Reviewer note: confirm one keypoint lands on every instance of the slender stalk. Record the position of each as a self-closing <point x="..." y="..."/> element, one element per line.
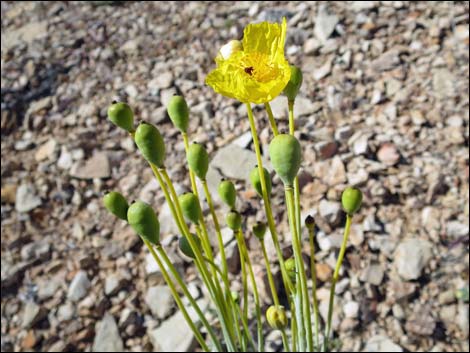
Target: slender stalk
<point x="314" y="282"/>
<point x="291" y="117"/>
<point x="244" y="282"/>
<point x="302" y="284"/>
<point x="285" y="341"/>
<point x="293" y="326"/>
<point x="191" y="173"/>
<point x="272" y="121"/>
<point x="188" y="295"/>
<point x="217" y="228"/>
<point x="177" y="298"/>
<point x="242" y="245"/>
<point x="270" y="275"/>
<point x="335" y="278"/>
<point x="267" y="204"/>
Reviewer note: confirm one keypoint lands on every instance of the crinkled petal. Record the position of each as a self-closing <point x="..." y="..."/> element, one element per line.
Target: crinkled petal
<point x="265" y="37"/>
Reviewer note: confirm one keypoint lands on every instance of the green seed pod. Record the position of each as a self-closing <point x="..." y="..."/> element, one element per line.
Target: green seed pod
<point x="116" y="204"/>
<point x="259" y="230"/>
<point x="150" y="143"/>
<point x="285" y="154"/>
<point x="190" y="206"/>
<point x="227" y="193"/>
<point x="235" y="296"/>
<point x="143" y="220"/>
<point x="291" y="268"/>
<point x="276" y="317"/>
<point x="185" y="247"/>
<point x="121" y="115"/>
<point x="310" y="222"/>
<point x="198" y="160"/>
<point x="234" y="220"/>
<point x="178" y="112"/>
<point x="256" y="181"/>
<point x="351" y="200"/>
<point x="295" y="81"/>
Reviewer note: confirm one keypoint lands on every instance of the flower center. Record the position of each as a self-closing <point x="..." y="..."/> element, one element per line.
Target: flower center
<point x="259" y="67"/>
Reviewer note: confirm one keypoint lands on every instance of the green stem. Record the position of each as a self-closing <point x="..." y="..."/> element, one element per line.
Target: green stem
<point x="217" y="228"/>
<point x="272" y="121"/>
<point x="186" y="292"/>
<point x="335" y="278"/>
<point x="270" y="275"/>
<point x="301" y="276"/>
<point x="177" y="298"/>
<point x="191" y="173"/>
<point x="314" y="282"/>
<point x="267" y="205"/>
<point x="285" y="341"/>
<point x="291" y="117"/>
<point x="242" y="245"/>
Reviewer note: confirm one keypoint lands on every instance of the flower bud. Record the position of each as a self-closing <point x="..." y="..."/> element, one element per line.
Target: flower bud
<point x="198" y="160"/>
<point x="227" y="193"/>
<point x="150" y="143"/>
<point x="121" y="115"/>
<point x="291" y="268"/>
<point x="259" y="230"/>
<point x="295" y="81"/>
<point x="190" y="206"/>
<point x="235" y="296"/>
<point x="256" y="181"/>
<point x="309" y="222"/>
<point x="351" y="200"/>
<point x="178" y="112"/>
<point x="285" y="154"/>
<point x="185" y="247"/>
<point x="116" y="204"/>
<point x="234" y="220"/>
<point x="143" y="220"/>
<point x="276" y="317"/>
<point x="228" y="49"/>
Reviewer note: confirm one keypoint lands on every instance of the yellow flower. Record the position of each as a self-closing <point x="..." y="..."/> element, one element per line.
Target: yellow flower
<point x="257" y="72"/>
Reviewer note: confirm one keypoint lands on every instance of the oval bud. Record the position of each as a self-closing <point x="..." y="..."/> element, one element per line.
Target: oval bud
<point x="259" y="230"/>
<point x="143" y="220"/>
<point x="178" y="112"/>
<point x="235" y="296"/>
<point x="198" y="160"/>
<point x="351" y="200"/>
<point x="190" y="206"/>
<point x="150" y="143"/>
<point x="285" y="154"/>
<point x="293" y="86"/>
<point x="234" y="220"/>
<point x="291" y="268"/>
<point x="256" y="181"/>
<point x="310" y="222"/>
<point x="121" y="115"/>
<point x="227" y="193"/>
<point x="185" y="247"/>
<point x="276" y="317"/>
<point x="116" y="204"/>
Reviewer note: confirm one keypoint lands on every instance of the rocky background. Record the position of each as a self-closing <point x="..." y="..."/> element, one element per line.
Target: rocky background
<point x="384" y="105"/>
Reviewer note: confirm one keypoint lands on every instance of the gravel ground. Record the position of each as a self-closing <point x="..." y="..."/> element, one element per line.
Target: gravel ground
<point x="384" y="106"/>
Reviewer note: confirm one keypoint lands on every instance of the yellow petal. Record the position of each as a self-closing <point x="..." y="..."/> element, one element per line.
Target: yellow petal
<point x="266" y="38"/>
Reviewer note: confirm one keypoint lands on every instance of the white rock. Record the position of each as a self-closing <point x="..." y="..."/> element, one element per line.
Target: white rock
<point x="381" y="343"/>
<point x="107" y="337"/>
<point x="411" y="256"/>
<point x="173" y="335"/>
<point x="330" y="211"/>
<point x="79" y="286"/>
<point x="26" y="198"/>
<point x="160" y="301"/>
<point x="325" y="24"/>
<point x="351" y="309"/>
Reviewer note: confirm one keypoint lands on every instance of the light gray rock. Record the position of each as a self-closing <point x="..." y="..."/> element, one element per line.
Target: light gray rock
<point x="325" y="24"/>
<point x="330" y="211"/>
<point x="107" y="337"/>
<point x="173" y="335"/>
<point x="113" y="284"/>
<point x="456" y="229"/>
<point x="48" y="287"/>
<point x="351" y="309"/>
<point x="234" y="162"/>
<point x="443" y="83"/>
<point x="411" y="256"/>
<point x="32" y="314"/>
<point x="26" y="198"/>
<point x="160" y="301"/>
<point x="95" y="167"/>
<point x="381" y="343"/>
<point x="65" y="312"/>
<point x="46" y="150"/>
<point x="79" y="286"/>
<point x="373" y="274"/>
